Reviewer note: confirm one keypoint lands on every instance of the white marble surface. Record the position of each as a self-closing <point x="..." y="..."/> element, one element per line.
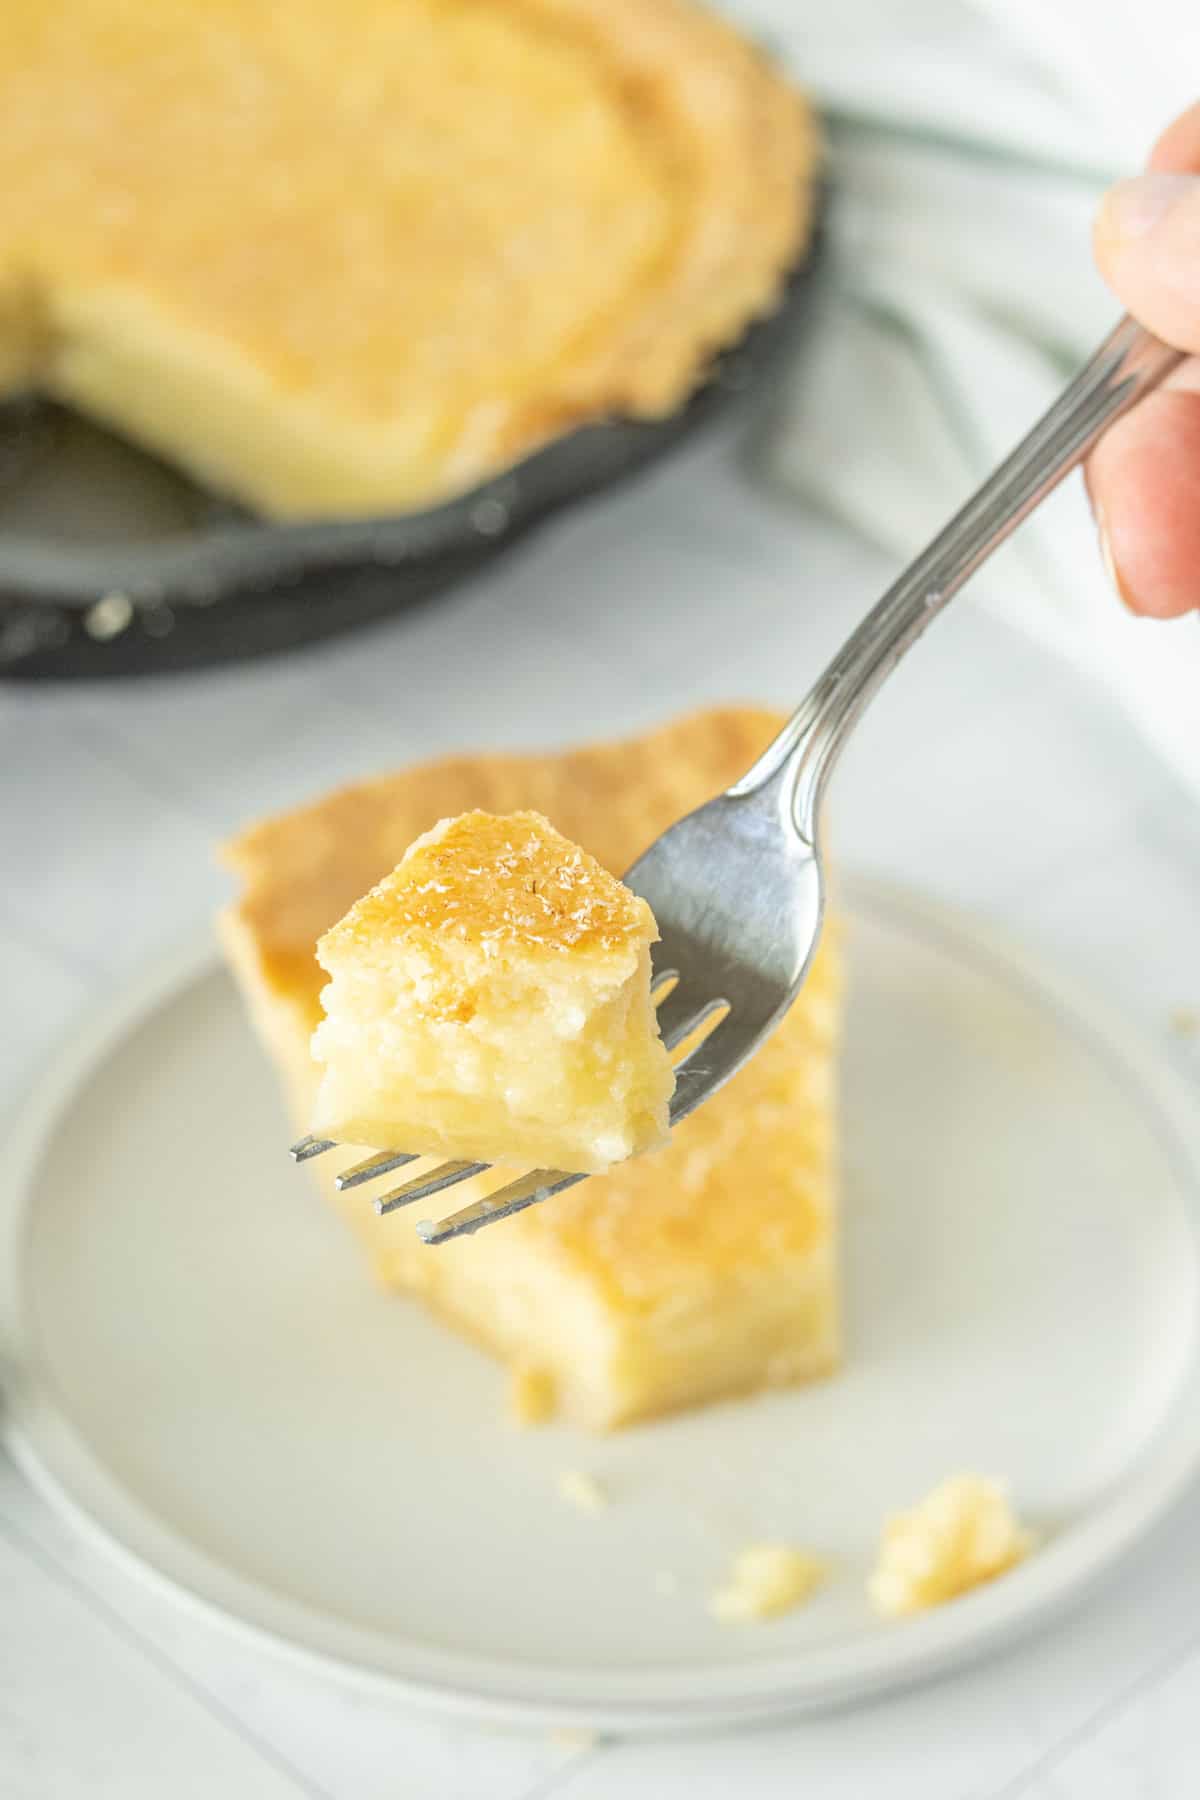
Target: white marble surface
<point x="687" y="587"/>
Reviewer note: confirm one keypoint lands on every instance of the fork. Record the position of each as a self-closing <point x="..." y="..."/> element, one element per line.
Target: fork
<point x="737" y="886"/>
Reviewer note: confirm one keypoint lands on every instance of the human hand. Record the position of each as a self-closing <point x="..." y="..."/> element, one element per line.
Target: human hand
<point x="1144" y="475"/>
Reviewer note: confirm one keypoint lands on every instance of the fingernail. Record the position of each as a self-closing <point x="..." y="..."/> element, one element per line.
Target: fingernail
<point x="1133" y="208"/>
<point x="1110" y="562"/>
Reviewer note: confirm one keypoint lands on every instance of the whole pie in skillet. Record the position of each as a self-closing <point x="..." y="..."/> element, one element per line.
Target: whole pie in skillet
<point x="352" y="256"/>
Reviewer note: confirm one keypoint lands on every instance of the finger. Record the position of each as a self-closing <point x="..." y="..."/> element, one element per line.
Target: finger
<point x="1144" y="479"/>
<point x="1177" y="151"/>
<point x="1147" y="241"/>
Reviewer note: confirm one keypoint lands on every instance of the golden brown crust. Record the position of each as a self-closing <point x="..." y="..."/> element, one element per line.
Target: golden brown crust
<point x="495" y="878"/>
<point x="302" y="870"/>
<point x="238" y="230"/>
<point x="742" y="148"/>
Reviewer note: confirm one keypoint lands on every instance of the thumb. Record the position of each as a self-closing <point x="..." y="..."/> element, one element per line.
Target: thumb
<point x="1147" y="242"/>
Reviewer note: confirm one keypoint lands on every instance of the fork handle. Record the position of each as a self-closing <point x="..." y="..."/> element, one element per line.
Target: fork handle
<point x="1128" y="364"/>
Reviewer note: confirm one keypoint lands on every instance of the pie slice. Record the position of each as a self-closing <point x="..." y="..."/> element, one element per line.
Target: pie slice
<point x="705" y="1268"/>
<point x="344" y="257"/>
<point x="490" y="1000"/>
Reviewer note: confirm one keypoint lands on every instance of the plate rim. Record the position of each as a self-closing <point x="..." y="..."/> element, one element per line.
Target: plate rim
<point x="60" y="1465"/>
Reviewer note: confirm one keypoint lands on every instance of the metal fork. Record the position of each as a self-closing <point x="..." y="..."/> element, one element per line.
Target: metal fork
<point x="737" y="886"/>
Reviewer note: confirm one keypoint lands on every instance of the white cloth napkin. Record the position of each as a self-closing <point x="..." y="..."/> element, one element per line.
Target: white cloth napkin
<point x="970" y="141"/>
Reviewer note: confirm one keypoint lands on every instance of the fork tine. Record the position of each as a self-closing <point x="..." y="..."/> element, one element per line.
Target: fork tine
<point x="660" y="980"/>
<point x="310" y="1146"/>
<point x="693" y="1082"/>
<point x="679" y="1016"/>
<point x="689" y="1089"/>
<point x="447" y="1174"/>
<point x="527" y="1191"/>
<point x="382" y="1163"/>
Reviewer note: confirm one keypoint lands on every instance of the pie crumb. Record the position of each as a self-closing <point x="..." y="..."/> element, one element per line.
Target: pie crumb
<point x="766" y="1580"/>
<point x="574" y="1737"/>
<point x="583" y="1490"/>
<point x="963" y="1533"/>
<point x="1185" y="1021"/>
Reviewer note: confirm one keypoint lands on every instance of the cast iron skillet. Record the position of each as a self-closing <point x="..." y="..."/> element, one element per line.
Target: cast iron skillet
<point x="113" y="564"/>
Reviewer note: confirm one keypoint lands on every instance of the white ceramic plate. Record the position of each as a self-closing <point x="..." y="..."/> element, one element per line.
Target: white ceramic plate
<point x="199" y="1366"/>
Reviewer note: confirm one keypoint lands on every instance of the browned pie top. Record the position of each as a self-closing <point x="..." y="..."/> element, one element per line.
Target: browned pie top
<point x="302" y="870"/>
<point x="507" y="879"/>
<point x="427" y="234"/>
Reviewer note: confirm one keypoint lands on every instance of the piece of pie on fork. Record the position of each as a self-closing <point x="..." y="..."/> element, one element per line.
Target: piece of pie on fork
<point x="489" y="1000"/>
<point x="699" y="1270"/>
